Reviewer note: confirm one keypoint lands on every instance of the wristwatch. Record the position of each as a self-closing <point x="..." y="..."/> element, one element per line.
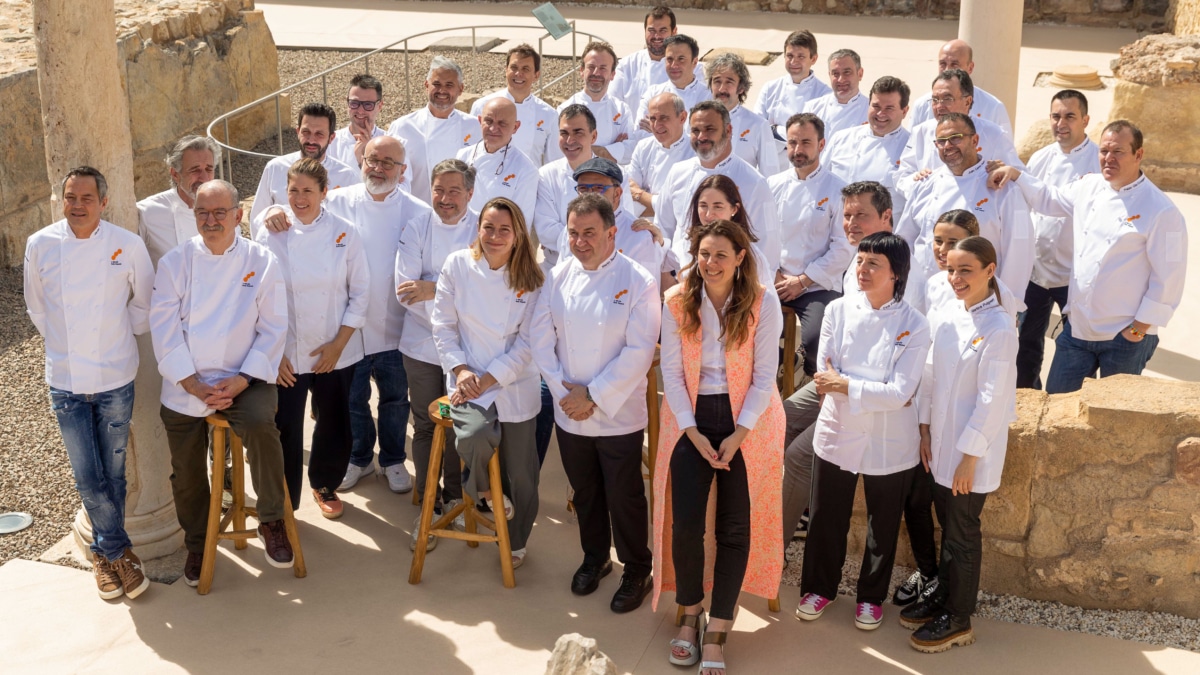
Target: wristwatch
<point x="250" y="381"/>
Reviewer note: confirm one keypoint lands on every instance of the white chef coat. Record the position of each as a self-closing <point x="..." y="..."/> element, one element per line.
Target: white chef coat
<point x="781" y="98"/>
<point x="556" y="189"/>
<point x="1003" y="218"/>
<point x="857" y="154"/>
<point x="480" y="322"/>
<point x="341" y="146"/>
<point x="810" y="216"/>
<point x="836" y="115"/>
<point x="691" y="94"/>
<point x="983" y="106"/>
<point x="272" y="187"/>
<point x="968" y="393"/>
<point x="713" y="378"/>
<point x="88" y="298"/>
<point x="214" y="316"/>
<point x="920" y="152"/>
<point x="328" y="285"/>
<point x="379" y="225"/>
<point x="504" y="173"/>
<point x="428" y="140"/>
<point x="872" y="430"/>
<point x="598" y="328"/>
<point x="1054" y="236"/>
<point x="1130" y="252"/>
<point x="613" y="118"/>
<point x="164" y="222"/>
<point x="754" y="142"/>
<point x="637" y="73"/>
<point x="637" y="246"/>
<point x="939" y="293"/>
<point x="652" y="161"/>
<point x="538" y="135"/>
<point x="425" y="243"/>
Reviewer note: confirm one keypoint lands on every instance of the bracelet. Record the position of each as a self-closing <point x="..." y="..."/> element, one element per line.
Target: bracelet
<point x="1135" y="332"/>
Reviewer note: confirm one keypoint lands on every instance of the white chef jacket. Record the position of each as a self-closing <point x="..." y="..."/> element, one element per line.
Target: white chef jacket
<point x="504" y="173"/>
<point x="272" y="187"/>
<point x="341" y="146"/>
<point x="837" y="115"/>
<point x="872" y="430"/>
<point x="556" y="189"/>
<point x="328" y="285"/>
<point x="939" y="293"/>
<point x="425" y="243"/>
<point x="1130" y="254"/>
<point x="214" y="316"/>
<point x="598" y="328"/>
<point x="920" y="152"/>
<point x="781" y="98"/>
<point x="857" y="154"/>
<point x="429" y="140"/>
<point x="637" y="73"/>
<point x="164" y="222"/>
<point x="652" y="160"/>
<point x="692" y="94"/>
<point x="480" y="322"/>
<point x="983" y="106"/>
<point x="379" y="225"/>
<point x="713" y="378"/>
<point x="88" y="298"/>
<point x="637" y="246"/>
<point x="810" y="214"/>
<point x="676" y="200"/>
<point x="1003" y="218"/>
<point x="968" y="393"/>
<point x="613" y="118"/>
<point x="1054" y="236"/>
<point x="754" y="142"/>
<point x="538" y="135"/>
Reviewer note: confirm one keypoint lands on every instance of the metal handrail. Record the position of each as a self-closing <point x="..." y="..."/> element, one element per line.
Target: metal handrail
<point x="226" y="167"/>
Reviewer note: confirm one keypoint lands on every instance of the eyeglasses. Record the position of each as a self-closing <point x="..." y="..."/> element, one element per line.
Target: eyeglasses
<point x="217" y="214"/>
<point x="953" y="139"/>
<point x="593" y="188"/>
<point x="385" y="164"/>
<point x="943" y="100"/>
<point x="365" y="105"/>
<point x="503" y="159"/>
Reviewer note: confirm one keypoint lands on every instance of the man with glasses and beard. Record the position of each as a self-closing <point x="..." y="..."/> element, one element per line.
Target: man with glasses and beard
<point x="165" y="219"/>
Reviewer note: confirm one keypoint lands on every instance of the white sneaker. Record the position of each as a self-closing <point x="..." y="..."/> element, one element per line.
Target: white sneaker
<point x="432" y="541"/>
<point x="398" y="479"/>
<point x="355" y="474"/>
<point x="508" y="507"/>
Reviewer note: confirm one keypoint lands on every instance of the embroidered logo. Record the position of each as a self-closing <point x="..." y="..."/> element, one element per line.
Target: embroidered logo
<point x="821" y="204"/>
<point x="616" y="117"/>
<point x="617" y="297"/>
<point x="519" y="298"/>
<point x="113" y="260"/>
<point x="508" y="178"/>
<point x="467" y="139"/>
<point x="900" y="338"/>
<point x="338" y="243"/>
<point x="539" y="125"/>
<point x="246" y="280"/>
<point x="1130" y="219"/>
<point x="979" y="204"/>
<point x="975" y="343"/>
<point x="742" y="136"/>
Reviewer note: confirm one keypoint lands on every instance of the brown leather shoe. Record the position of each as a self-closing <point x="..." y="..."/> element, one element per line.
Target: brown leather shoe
<point x="329" y="502"/>
<point x="275" y="540"/>
<point x="129" y="568"/>
<point x="191" y="569"/>
<point x="108" y="584"/>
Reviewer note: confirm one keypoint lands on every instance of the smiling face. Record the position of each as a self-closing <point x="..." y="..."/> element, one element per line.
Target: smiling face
<point x="945" y="236"/>
<point x="443" y="89"/>
<point x="714" y="204"/>
<point x="657" y="30"/>
<point x="860" y="219"/>
<point x="383" y="165"/>
<point x="680" y="64"/>
<point x="361" y="118"/>
<point x="844" y="77"/>
<point x="725" y="86"/>
<point x="218" y="232"/>
<point x="196" y="169"/>
<point x="968" y="277"/>
<point x="304" y="197"/>
<point x="885" y="114"/>
<point x="798" y="62"/>
<point x="1067" y="122"/>
<point x="1119" y="163"/>
<point x="665" y="123"/>
<point x="709" y="135"/>
<point x="717" y="261"/>
<point x="82" y="204"/>
<point x="520" y="76"/>
<point x="803" y="147"/>
<point x="948" y="98"/>
<point x="496" y="235"/>
<point x="314" y="135"/>
<point x="597" y="72"/>
<point x="957" y="146"/>
<point x="575" y="139"/>
<point x="591" y="243"/>
<point x="450" y="196"/>
<point x="498" y="122"/>
<point x="874" y="274"/>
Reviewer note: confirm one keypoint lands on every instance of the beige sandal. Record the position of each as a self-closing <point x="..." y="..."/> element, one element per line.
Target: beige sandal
<point x="713" y="638"/>
<point x="697" y="622"/>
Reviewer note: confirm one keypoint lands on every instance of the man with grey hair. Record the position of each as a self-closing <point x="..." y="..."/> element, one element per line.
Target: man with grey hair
<point x="437" y="131"/>
<point x="165" y="219"/>
<point x="653" y="157"/>
<point x="753" y="141"/>
<point x="844" y="107"/>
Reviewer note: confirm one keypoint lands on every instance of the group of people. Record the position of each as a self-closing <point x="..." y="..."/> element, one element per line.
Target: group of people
<point x="531" y="278"/>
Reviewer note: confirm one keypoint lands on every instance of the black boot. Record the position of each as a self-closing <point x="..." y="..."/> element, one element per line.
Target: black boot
<point x="942" y="633"/>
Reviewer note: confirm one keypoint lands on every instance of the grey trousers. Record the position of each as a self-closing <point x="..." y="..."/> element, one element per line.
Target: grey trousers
<point x="426" y="384"/>
<point x="800" y="410"/>
<point x="479" y="432"/>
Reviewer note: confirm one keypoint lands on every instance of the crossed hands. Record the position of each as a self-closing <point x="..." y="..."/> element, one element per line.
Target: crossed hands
<point x="219" y="396"/>
<point x="576" y="404"/>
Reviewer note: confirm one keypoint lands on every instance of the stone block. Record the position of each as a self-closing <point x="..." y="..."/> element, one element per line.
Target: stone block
<point x="211" y="19"/>
<point x="577" y="655"/>
<point x="752" y="57"/>
<point x="177" y="25"/>
<point x="1114" y="5"/>
<point x="1187" y="461"/>
<point x="161" y="31"/>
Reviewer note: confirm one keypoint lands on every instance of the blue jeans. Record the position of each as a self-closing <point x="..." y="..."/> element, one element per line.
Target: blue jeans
<point x="545" y="424"/>
<point x="1040" y="302"/>
<point x="95" y="429"/>
<point x="388" y="370"/>
<point x="1075" y="360"/>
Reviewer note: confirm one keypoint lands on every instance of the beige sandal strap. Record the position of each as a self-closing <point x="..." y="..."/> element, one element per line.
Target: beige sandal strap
<point x="690" y="620"/>
<point x="712" y="637"/>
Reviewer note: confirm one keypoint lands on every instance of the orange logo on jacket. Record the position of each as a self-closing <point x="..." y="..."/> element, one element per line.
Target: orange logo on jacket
<point x="616" y="117"/>
<point x="509" y="177"/>
<point x="981" y="202"/>
<point x="1130" y="219"/>
<point x="246" y="279"/>
<point x="743" y="134"/>
<point x="823" y="201"/>
<point x="118" y="252"/>
<point x="976" y="341"/>
<point x="902" y="336"/>
<point x="466" y="139"/>
<point x="338" y="242"/>
<point x="618" y="295"/>
<point x="539" y="124"/>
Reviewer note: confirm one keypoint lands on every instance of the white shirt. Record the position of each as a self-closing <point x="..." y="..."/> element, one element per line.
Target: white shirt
<point x="754" y="142"/>
<point x="983" y="106"/>
<point x="425" y="243"/>
<point x="921" y="153"/>
<point x="328" y="286"/>
<point x="504" y="173"/>
<point x="88" y="298"/>
<point x="857" y="154"/>
<point x="164" y="222"/>
<point x="214" y="316"/>
<point x="713" y="379"/>
<point x="1003" y="219"/>
<point x="691" y="94"/>
<point x="637" y="246"/>
<point x="379" y="225"/>
<point x="598" y="328"/>
<point x="538" y="135"/>
<point x="637" y="73"/>
<point x="341" y="146"/>
<point x="272" y="187"/>
<point x="652" y="161"/>
<point x="872" y="430"/>
<point x="781" y="98"/>
<point x="1054" y="236"/>
<point x="556" y="189"/>
<point x="1130" y="254"/>
<point x="939" y="293"/>
<point x="429" y="140"/>
<point x="613" y="118"/>
<point x="836" y="115"/>
<point x="969" y="390"/>
<point x="814" y="240"/>
<point x="480" y="322"/>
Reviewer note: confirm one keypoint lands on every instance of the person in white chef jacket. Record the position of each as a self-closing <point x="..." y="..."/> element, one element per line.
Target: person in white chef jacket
<point x="481" y="318"/>
<point x="364" y="102"/>
<point x="425" y="243"/>
<point x="683" y="77"/>
<point x="604" y="177"/>
<point x="87" y="291"/>
<point x="615" y="126"/>
<point x="437" y="131"/>
<point x="501" y="169"/>
<point x="643" y="69"/>
<point x="958" y="54"/>
<point x="753" y="141"/>
<point x="165" y="220"/>
<point x="785" y="96"/>
<point x="328" y="290"/>
<point x="595" y="329"/>
<point x="872" y="151"/>
<point x="845" y="107"/>
<point x="536" y="135"/>
<point x="219" y="322"/>
<point x="873" y="351"/>
<point x="654" y="156"/>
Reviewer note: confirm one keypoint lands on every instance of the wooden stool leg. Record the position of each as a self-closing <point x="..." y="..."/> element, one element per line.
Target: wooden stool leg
<point x="469" y="513"/>
<point x="506" y="566"/>
<point x="651" y="430"/>
<point x="789" y="354"/>
<point x="289" y="524"/>
<point x="213" y="531"/>
<point x="773" y="604"/>
<point x="239" y="487"/>
<point x="431" y="487"/>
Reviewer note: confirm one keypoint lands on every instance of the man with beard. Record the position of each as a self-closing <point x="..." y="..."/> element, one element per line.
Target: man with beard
<point x="681" y="59"/>
<point x="363" y="105"/>
<point x="501" y="169"/>
<point x="958" y="54"/>
<point x="872" y="151"/>
<point x="783" y="97"/>
<point x="614" y="121"/>
<point x="844" y="107"/>
<point x="653" y="157"/>
<point x="165" y="219"/>
<point x="643" y="69"/>
<point x="437" y="131"/>
<point x="535" y="136"/>
<point x="314" y="127"/>
<point x="729" y="81"/>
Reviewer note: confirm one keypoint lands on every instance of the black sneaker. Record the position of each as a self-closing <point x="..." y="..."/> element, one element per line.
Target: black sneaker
<point x="942" y="633"/>
<point x="908" y="592"/>
<point x="632" y="592"/>
<point x="191" y="569"/>
<point x="587" y="577"/>
<point x="928" y="605"/>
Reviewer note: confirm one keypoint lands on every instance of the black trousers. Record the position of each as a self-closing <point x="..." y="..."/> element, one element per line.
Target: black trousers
<point x="810" y="309"/>
<point x="918" y="518"/>
<point x="691" y="479"/>
<point x="610" y="497"/>
<point x="829" y="523"/>
<point x="962" y="549"/>
<point x="1032" y="339"/>
<point x="332" y="440"/>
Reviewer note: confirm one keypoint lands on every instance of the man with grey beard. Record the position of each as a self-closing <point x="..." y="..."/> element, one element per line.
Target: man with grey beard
<point x="166" y="219"/>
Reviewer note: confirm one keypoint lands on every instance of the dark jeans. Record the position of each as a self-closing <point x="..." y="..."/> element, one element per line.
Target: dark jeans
<point x="1040" y="302"/>
<point x="691" y="479"/>
<point x="810" y="309"/>
<point x="545" y="424"/>
<point x="1076" y="360"/>
<point x="330" y="452"/>
<point x="918" y="518"/>
<point x="962" y="549"/>
<point x="388" y="370"/>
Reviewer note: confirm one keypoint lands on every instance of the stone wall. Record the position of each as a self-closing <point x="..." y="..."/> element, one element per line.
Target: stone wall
<point x="184" y="63"/>
<point x="1184" y="17"/>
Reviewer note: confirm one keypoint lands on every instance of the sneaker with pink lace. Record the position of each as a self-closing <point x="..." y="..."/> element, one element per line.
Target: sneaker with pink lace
<point x="812" y="606"/>
<point x="868" y="616"/>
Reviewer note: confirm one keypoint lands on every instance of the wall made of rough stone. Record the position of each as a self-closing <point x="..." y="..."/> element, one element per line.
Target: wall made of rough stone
<point x="1184" y="17"/>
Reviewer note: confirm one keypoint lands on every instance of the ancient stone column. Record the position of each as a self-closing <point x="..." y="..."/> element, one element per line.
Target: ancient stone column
<point x="993" y="29"/>
<point x="85" y="113"/>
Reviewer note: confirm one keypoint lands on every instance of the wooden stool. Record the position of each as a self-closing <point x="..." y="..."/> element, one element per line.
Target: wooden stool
<point x="652" y="425"/>
<point x="471" y="515"/>
<point x="217" y="525"/>
<point x="788" y="383"/>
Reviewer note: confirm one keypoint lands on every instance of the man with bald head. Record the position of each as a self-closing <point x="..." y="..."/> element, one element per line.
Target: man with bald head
<point x="958" y="54"/>
<point x="501" y="169"/>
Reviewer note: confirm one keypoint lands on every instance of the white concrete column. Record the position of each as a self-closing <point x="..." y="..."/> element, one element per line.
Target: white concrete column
<point x="85" y="113"/>
<point x="993" y="29"/>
